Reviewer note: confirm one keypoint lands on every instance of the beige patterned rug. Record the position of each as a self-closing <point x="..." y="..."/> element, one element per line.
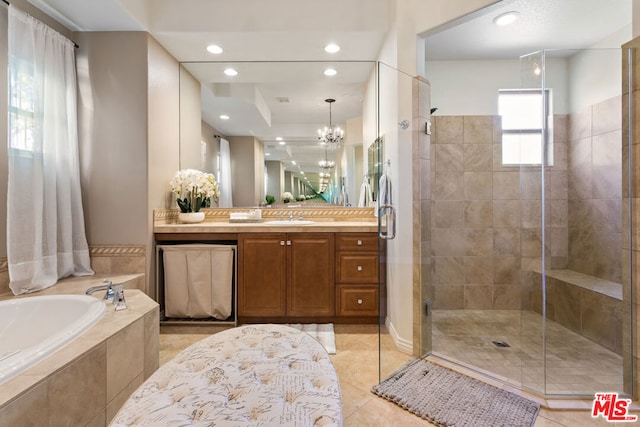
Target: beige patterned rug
<point x="447" y="398"/>
<point x="323" y="333"/>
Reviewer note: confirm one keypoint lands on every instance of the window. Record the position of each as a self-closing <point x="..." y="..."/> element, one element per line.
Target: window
<point x="23" y="119"/>
<point x="523" y="127"/>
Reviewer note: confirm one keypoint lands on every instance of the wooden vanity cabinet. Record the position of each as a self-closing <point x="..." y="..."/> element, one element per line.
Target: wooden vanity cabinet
<point x="262" y="275"/>
<point x="357" y="265"/>
<point x="285" y="275"/>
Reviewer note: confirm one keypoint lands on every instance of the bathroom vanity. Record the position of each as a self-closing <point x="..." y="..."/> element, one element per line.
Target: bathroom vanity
<point x="323" y="269"/>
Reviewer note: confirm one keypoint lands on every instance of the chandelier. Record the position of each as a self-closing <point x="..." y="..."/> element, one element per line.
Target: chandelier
<point x="325" y="172"/>
<point x="331" y="136"/>
<point x="326" y="165"/>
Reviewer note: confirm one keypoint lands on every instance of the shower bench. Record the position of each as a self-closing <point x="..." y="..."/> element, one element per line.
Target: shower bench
<point x="587" y="305"/>
<point x="249" y="375"/>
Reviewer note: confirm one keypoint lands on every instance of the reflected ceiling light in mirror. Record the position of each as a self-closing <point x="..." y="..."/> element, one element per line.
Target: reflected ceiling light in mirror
<point x="332" y="48"/>
<point x="506" y="18"/>
<point x="224" y="117"/>
<point x="331" y="136"/>
<point x="230" y="72"/>
<point x="330" y="72"/>
<point x="282" y="142"/>
<point x="215" y="49"/>
<point x="278" y="138"/>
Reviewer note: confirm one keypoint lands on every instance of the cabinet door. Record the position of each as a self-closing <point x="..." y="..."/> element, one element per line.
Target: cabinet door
<point x="311" y="290"/>
<point x="262" y="275"/>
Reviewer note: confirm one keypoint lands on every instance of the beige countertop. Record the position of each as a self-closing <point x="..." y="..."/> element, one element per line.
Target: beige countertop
<point x="273" y="227"/>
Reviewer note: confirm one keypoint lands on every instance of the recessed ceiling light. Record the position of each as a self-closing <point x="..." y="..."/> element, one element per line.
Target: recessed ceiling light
<point x="224" y="117"/>
<point x="215" y="49"/>
<point x="278" y="138"/>
<point x="330" y="72"/>
<point x="332" y="48"/>
<point x="293" y="162"/>
<point x="506" y="18"/>
<point x="267" y="154"/>
<point x="230" y="72"/>
<point x="282" y="142"/>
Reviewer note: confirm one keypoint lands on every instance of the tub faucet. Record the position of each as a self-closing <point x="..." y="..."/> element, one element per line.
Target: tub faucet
<point x="108" y="286"/>
<point x="118" y="299"/>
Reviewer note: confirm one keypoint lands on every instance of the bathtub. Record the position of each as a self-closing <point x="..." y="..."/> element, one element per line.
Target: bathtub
<point x="32" y="328"/>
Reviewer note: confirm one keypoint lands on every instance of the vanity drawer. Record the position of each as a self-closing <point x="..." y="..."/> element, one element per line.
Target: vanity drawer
<point x="357" y="242"/>
<point x="357" y="301"/>
<point x="357" y="268"/>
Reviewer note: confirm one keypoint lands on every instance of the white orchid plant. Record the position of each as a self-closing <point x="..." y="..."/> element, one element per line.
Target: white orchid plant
<point x="287" y="197"/>
<point x="194" y="189"/>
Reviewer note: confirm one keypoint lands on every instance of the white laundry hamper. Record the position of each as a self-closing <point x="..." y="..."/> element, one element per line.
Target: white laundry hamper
<point x="198" y="281"/>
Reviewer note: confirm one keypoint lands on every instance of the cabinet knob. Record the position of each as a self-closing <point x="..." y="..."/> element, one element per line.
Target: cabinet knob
<point x="359" y="242"/>
<point x="359" y="268"/>
<point x="360" y="301"/>
<point x="288" y="242"/>
<point x="281" y="242"/>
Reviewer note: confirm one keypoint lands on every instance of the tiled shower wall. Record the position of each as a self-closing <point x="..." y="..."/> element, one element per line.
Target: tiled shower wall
<point x="595" y="190"/>
<point x="486" y="218"/>
<point x="476" y="239"/>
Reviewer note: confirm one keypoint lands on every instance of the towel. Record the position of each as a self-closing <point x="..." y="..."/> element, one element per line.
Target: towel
<point x="365" y="193"/>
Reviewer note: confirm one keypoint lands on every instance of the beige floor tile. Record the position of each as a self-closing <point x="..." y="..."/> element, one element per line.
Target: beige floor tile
<point x="357" y="363"/>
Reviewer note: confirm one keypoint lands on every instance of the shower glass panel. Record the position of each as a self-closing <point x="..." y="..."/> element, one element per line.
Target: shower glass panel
<point x="530" y="232"/>
<point x="536" y="155"/>
<point x="576" y="311"/>
<point x="403" y="111"/>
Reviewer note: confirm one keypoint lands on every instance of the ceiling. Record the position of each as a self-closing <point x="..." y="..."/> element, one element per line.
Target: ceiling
<point x="291" y="34"/>
<point x="542" y="24"/>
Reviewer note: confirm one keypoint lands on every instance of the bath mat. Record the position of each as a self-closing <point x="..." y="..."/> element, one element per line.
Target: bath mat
<point x="447" y="398"/>
<point x="323" y="333"/>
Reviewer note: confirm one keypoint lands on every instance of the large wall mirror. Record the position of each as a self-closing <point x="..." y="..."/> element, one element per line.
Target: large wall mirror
<point x="269" y="114"/>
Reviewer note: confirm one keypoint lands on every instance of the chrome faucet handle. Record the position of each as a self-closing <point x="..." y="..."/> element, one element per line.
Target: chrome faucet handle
<point x="118" y="299"/>
<point x="110" y="293"/>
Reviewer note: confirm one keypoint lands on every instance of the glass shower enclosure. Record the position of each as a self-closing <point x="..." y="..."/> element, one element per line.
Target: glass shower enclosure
<point x="523" y="249"/>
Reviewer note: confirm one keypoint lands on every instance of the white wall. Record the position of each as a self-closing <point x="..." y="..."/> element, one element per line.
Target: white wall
<point x="471" y="87"/>
<point x="408" y="18"/>
<point x="190" y="115"/>
<point x="596" y="74"/>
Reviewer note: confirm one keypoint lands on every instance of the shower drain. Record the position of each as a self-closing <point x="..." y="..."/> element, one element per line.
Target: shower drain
<point x="501" y="344"/>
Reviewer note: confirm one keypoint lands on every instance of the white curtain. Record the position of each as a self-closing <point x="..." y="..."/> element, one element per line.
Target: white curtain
<point x="45" y="223"/>
<point x="226" y="200"/>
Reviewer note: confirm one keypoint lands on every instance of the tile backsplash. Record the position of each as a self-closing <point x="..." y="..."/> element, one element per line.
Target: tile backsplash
<point x="105" y="259"/>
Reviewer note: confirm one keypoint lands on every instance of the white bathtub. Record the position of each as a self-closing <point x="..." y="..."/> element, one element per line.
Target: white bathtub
<point x="32" y="328"/>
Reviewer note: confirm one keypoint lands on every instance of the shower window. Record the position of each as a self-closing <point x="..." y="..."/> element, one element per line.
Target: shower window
<point x="522" y="126"/>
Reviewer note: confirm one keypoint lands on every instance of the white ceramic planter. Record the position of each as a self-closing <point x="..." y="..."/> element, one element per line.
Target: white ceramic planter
<point x="190" y="217"/>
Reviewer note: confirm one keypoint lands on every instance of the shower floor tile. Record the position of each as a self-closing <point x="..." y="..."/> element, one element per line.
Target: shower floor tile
<point x="465" y="337"/>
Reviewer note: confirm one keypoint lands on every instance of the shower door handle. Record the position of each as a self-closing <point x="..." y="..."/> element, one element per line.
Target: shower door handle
<point x="388" y="212"/>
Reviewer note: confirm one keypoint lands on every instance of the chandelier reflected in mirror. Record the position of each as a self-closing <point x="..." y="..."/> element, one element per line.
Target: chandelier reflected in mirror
<point x="331" y="136"/>
<point x="325" y="171"/>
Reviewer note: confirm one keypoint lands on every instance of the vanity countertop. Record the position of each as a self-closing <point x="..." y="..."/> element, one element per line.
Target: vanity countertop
<point x="271" y="227"/>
